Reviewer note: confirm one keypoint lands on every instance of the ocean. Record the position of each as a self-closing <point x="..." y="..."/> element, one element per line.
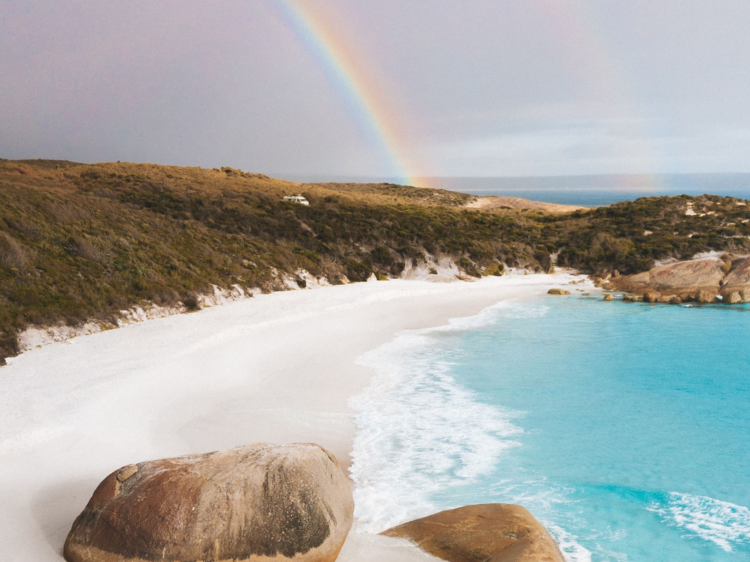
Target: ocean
<point x="624" y="428"/>
<point x="601" y="190"/>
<point x="583" y="190"/>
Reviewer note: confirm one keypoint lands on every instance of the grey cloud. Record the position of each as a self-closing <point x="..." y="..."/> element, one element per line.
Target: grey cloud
<point x="481" y="87"/>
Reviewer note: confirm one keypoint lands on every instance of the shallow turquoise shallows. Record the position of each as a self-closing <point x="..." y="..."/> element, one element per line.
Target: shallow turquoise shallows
<point x="625" y="428"/>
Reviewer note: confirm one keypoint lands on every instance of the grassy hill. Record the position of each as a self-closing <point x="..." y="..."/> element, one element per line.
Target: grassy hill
<point x="81" y="242"/>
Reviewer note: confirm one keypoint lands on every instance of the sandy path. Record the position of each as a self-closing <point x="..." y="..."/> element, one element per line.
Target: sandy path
<point x="277" y="368"/>
<point x="497" y="201"/>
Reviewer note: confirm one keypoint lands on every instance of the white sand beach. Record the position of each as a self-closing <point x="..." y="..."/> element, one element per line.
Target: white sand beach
<point x="276" y="367"/>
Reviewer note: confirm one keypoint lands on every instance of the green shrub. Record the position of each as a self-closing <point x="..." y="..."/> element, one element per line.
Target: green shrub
<point x="80" y="242"/>
<point x="358" y="271"/>
<point x="495" y="268"/>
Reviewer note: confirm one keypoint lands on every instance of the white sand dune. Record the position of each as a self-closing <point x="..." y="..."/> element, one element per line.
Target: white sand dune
<point x="277" y="367"/>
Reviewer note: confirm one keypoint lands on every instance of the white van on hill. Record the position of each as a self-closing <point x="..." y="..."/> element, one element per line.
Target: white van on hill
<point x="296" y="199"/>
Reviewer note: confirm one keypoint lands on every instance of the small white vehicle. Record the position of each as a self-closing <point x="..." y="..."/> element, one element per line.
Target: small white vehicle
<point x="296" y="199"/>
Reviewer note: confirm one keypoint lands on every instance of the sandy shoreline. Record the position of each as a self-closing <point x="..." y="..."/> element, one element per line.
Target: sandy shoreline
<point x="278" y="367"/>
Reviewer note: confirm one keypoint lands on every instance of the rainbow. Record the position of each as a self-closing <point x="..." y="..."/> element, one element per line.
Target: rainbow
<point x="359" y="94"/>
<point x="578" y="31"/>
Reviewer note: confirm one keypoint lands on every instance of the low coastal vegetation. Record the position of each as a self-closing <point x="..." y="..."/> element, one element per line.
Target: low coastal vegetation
<point x="84" y="242"/>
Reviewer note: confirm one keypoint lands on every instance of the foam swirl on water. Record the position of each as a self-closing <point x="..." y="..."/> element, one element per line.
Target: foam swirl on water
<point x="419" y="432"/>
<point x="723" y="523"/>
<point x="572" y="550"/>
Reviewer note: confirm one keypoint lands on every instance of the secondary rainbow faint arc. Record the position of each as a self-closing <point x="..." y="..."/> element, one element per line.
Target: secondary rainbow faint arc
<point x="577" y="20"/>
<point x="363" y="103"/>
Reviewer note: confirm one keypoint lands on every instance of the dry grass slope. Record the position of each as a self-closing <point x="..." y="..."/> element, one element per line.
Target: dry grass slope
<point x="82" y="242"/>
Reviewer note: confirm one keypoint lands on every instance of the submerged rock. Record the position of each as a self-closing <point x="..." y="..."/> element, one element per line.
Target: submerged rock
<point x="493" y="532"/>
<point x="558" y="292"/>
<point x="260" y="502"/>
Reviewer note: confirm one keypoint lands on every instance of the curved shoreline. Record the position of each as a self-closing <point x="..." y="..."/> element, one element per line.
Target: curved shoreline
<point x="278" y="367"/>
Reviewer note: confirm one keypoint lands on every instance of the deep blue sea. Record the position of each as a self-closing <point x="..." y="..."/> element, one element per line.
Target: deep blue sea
<point x="625" y="428"/>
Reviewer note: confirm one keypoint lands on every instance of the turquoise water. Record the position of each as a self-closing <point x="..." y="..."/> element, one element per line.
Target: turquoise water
<point x="624" y="427"/>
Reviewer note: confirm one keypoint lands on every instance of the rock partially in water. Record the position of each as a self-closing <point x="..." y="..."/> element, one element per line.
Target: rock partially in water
<point x="493" y="532"/>
<point x="705" y="297"/>
<point x="558" y="292"/>
<point x="732" y="298"/>
<point x="738" y="278"/>
<point x="260" y="502"/>
<point x="679" y="279"/>
<point x="689" y="279"/>
<point x="651" y="296"/>
<point x="609" y="297"/>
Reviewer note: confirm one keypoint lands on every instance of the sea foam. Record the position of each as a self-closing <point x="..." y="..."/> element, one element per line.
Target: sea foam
<point x="725" y="524"/>
<point x="419" y="431"/>
<point x="572" y="550"/>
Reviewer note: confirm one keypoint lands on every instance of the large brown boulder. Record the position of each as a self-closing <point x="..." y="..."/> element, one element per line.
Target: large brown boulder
<point x="559" y="292"/>
<point x="705" y="297"/>
<point x="260" y="502"/>
<point x="732" y="297"/>
<point x="678" y="279"/>
<point x="494" y="532"/>
<point x="651" y="296"/>
<point x="738" y="279"/>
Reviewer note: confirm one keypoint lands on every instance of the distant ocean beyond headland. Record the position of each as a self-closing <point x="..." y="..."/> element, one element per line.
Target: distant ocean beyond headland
<point x="591" y="190"/>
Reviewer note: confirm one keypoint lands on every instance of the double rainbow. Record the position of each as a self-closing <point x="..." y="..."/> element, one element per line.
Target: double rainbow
<point x="575" y="26"/>
<point x="360" y="95"/>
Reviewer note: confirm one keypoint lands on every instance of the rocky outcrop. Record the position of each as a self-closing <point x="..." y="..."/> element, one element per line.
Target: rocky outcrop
<point x="738" y="279"/>
<point x="260" y="502"/>
<point x="558" y="292"/>
<point x="493" y="532"/>
<point x="675" y="279"/>
<point x="732" y="298"/>
<point x="705" y="297"/>
<point x="696" y="280"/>
<point x="609" y="297"/>
<point x="651" y="296"/>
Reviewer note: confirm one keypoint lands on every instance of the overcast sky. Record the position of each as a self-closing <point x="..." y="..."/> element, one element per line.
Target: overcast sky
<point x="479" y="87"/>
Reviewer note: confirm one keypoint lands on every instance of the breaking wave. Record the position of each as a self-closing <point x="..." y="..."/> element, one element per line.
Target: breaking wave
<point x="724" y="524"/>
<point x="419" y="432"/>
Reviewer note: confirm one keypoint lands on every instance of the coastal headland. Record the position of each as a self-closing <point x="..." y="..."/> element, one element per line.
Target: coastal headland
<point x="88" y="247"/>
